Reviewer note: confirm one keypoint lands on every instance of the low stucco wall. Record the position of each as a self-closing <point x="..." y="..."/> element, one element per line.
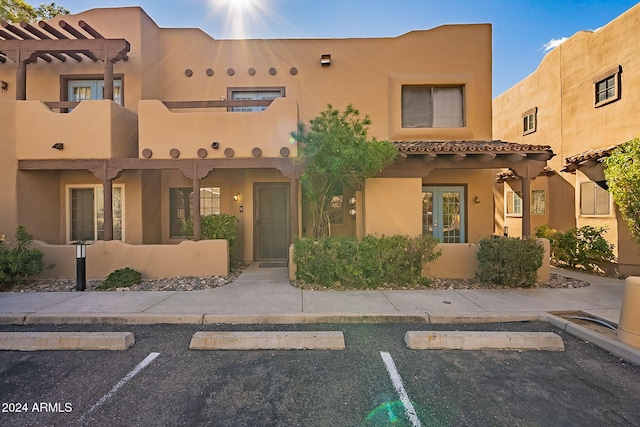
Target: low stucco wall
<point x="203" y="258"/>
<point x="459" y="261"/>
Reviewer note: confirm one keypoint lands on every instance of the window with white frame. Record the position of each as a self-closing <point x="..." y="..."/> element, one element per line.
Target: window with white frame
<point x="86" y="212"/>
<point x="529" y="121"/>
<point x="538" y="202"/>
<point x="80" y="90"/>
<point x="432" y="106"/>
<point x="253" y="94"/>
<point x="594" y="200"/>
<point x="607" y="87"/>
<point x="181" y="207"/>
<point x="514" y="204"/>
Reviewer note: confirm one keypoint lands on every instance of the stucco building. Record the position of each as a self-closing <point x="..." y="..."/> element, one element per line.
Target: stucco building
<point x="583" y="100"/>
<point x="110" y="124"/>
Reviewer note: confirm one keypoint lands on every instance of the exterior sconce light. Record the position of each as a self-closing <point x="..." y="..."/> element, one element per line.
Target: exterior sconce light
<point x="215" y="145"/>
<point x="58" y="146"/>
<point x="325" y="60"/>
<point x="352" y="211"/>
<point x="236" y="197"/>
<point x="4" y="85"/>
<point x="505" y="231"/>
<point x="476" y="199"/>
<point x="81" y="266"/>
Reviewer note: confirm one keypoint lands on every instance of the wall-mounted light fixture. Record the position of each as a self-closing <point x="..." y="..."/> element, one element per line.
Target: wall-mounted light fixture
<point x="4" y="85"/>
<point x="215" y="145"/>
<point x="352" y="210"/>
<point x="58" y="146"/>
<point x="236" y="197"/>
<point x="505" y="231"/>
<point x="325" y="60"/>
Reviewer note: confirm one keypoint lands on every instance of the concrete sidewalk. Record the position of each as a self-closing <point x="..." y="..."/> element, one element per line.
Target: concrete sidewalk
<point x="264" y="295"/>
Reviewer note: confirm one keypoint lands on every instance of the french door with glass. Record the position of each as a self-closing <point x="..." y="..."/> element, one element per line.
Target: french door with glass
<point x="443" y="213"/>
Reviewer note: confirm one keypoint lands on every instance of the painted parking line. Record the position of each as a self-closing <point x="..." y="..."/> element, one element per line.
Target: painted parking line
<point x="402" y="393"/>
<point x="150" y="358"/>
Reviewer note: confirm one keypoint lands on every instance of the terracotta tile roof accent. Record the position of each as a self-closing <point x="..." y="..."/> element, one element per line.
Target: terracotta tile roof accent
<point x="573" y="162"/>
<point x="510" y="174"/>
<point x="490" y="146"/>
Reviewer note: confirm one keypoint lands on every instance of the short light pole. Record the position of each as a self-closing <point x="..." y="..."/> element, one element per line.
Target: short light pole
<point x="81" y="266"/>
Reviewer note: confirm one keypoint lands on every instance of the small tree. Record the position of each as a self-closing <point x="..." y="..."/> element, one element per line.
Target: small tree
<point x="622" y="172"/>
<point x="20" y="10"/>
<point x="339" y="153"/>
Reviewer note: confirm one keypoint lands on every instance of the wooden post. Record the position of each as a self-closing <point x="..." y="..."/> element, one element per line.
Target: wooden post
<point x="197" y="227"/>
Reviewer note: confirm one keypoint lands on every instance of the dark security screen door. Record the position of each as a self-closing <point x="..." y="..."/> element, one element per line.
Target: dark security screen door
<point x="271" y="221"/>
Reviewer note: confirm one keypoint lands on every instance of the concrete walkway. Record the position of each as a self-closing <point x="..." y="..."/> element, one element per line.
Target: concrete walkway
<point x="262" y="295"/>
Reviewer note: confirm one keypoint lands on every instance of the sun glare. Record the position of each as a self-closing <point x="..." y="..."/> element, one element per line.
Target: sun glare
<point x="240" y="14"/>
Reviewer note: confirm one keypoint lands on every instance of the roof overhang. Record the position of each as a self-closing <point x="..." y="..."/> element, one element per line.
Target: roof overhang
<point x="418" y="158"/>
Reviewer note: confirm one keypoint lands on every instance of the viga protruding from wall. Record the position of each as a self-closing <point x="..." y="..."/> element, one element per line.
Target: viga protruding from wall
<point x="203" y="258"/>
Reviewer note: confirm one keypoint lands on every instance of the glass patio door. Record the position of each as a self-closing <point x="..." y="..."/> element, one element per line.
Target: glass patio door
<point x="443" y="213"/>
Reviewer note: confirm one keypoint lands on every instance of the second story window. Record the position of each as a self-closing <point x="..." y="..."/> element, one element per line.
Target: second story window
<point x="529" y="121"/>
<point x="432" y="106"/>
<point x="254" y="94"/>
<point x="84" y="89"/>
<point x="607" y="87"/>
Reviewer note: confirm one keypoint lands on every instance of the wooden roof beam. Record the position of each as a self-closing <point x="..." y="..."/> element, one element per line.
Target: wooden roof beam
<point x="71" y="30"/>
<point x="82" y="24"/>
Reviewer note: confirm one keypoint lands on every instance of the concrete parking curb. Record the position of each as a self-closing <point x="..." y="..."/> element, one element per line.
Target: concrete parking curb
<point x="109" y="318"/>
<point x="611" y="345"/>
<point x="33" y="341"/>
<point x="259" y="340"/>
<point x="483" y="340"/>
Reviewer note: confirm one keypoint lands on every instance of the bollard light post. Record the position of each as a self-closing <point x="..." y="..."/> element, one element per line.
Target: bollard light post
<point x="81" y="266"/>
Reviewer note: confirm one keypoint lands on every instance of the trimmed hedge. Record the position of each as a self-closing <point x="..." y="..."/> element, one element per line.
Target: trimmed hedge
<point x="509" y="261"/>
<point x="365" y="264"/>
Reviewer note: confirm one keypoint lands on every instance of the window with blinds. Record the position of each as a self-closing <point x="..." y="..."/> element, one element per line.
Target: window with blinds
<point x="432" y="106"/>
<point x="594" y="200"/>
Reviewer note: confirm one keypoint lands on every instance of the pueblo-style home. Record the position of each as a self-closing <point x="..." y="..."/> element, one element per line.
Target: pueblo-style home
<point x="117" y="131"/>
<point x="583" y="100"/>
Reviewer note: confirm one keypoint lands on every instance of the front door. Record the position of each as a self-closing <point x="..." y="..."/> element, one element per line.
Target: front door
<point x="271" y="221"/>
<point x="443" y="213"/>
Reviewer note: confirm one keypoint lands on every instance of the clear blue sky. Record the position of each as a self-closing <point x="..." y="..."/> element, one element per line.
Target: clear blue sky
<point x="521" y="28"/>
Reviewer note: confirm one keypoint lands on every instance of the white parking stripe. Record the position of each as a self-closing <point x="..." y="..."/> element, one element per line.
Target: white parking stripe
<point x="122" y="382"/>
<point x="402" y="393"/>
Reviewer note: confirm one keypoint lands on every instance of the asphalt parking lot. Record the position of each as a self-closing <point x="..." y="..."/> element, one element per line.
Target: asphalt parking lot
<point x="375" y="381"/>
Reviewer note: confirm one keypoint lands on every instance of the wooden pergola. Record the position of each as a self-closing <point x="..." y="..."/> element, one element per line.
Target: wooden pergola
<point x="419" y="158"/>
<point x="25" y="43"/>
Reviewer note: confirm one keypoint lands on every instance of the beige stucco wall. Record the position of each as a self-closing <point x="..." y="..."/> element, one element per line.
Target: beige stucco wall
<point x="393" y="206"/>
<point x="562" y="88"/>
<point x="113" y="135"/>
<point x="204" y="258"/>
<point x="162" y="130"/>
<point x="8" y="168"/>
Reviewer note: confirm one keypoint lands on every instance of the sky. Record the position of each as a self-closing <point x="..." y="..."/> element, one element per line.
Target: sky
<point x="523" y="30"/>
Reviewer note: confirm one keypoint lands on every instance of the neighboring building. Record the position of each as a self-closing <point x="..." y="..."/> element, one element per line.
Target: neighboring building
<point x="583" y="100"/>
<point x="187" y="114"/>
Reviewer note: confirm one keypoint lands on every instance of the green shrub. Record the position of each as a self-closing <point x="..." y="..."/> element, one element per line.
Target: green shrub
<point x="578" y="248"/>
<point x="509" y="261"/>
<point x="365" y="264"/>
<point x="123" y="278"/>
<point x="17" y="260"/>
<point x="222" y="226"/>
